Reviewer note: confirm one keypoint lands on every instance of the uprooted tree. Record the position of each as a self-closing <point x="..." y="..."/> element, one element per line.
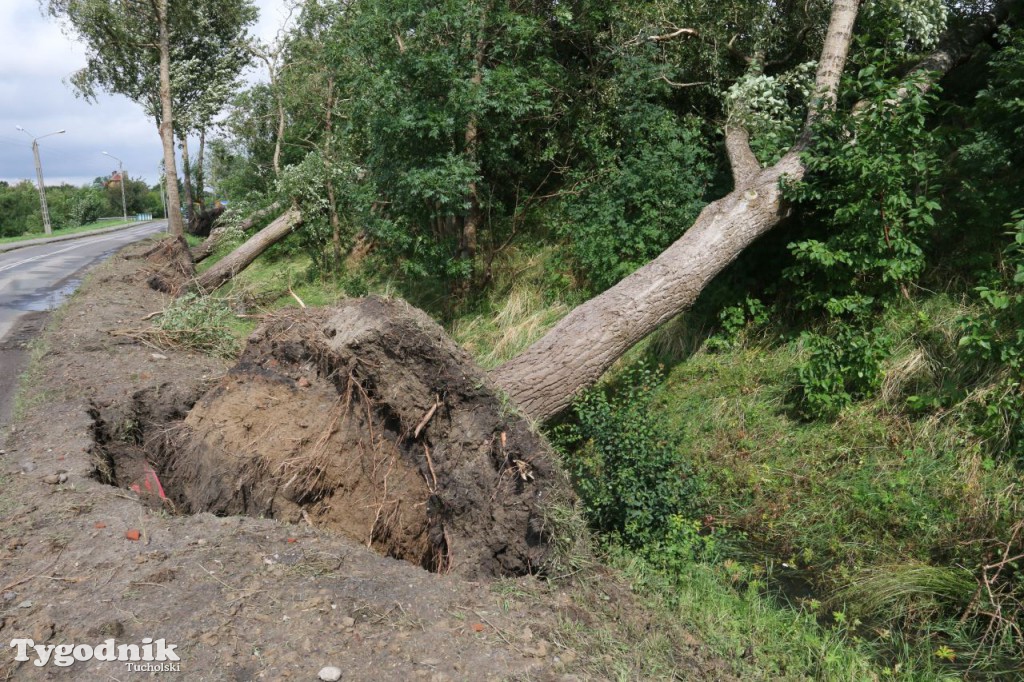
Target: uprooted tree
<point x="544" y="379"/>
<point x="574" y="354"/>
<point x="384" y="410"/>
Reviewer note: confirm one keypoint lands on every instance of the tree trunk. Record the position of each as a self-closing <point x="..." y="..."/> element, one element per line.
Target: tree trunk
<point x="471" y="223"/>
<point x="200" y="180"/>
<point x="175" y="225"/>
<point x="279" y="101"/>
<point x="203" y="251"/>
<point x="187" y="185"/>
<point x="240" y="258"/>
<point x="545" y="378"/>
<point x="332" y="206"/>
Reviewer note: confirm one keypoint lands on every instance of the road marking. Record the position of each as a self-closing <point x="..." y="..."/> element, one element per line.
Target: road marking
<point x="79" y="243"/>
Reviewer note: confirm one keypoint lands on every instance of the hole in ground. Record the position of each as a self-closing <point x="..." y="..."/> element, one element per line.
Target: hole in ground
<point x="261" y="446"/>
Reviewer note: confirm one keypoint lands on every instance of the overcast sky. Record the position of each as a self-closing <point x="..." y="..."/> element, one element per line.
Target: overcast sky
<point x="36" y="59"/>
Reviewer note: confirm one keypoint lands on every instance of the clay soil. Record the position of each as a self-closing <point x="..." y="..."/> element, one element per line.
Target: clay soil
<point x="85" y="557"/>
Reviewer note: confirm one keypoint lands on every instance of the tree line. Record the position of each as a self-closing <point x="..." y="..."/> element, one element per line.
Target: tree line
<point x="71" y="206"/>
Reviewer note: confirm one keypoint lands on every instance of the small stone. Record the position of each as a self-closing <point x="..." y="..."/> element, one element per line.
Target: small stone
<point x="303" y="382"/>
<point x="28" y="466"/>
<point x="27" y="604"/>
<point x="132" y="535"/>
<point x="158" y="356"/>
<point x="52" y="479"/>
<point x="430" y="661"/>
<point x="10" y="596"/>
<point x="348" y="622"/>
<point x="62" y="477"/>
<point x="330" y="673"/>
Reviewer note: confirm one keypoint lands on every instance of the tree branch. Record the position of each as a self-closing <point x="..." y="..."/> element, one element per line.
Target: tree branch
<point x="689" y="32"/>
<point x="744" y="164"/>
<point x="833" y="58"/>
<point x="680" y="86"/>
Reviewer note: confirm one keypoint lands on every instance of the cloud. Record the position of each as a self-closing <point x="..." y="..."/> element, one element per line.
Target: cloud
<point x="36" y="58"/>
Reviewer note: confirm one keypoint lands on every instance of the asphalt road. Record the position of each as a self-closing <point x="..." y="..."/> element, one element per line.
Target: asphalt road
<point x="35" y="280"/>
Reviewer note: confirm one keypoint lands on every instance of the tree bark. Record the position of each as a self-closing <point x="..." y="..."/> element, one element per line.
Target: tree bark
<point x="175" y="225"/>
<point x="240" y="258"/>
<point x="187" y="185"/>
<point x="200" y="180"/>
<point x="332" y="206"/>
<point x="474" y="218"/>
<point x="545" y="378"/>
<point x="203" y="251"/>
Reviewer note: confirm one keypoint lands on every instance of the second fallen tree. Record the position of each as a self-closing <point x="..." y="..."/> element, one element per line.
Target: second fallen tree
<point x="240" y="258"/>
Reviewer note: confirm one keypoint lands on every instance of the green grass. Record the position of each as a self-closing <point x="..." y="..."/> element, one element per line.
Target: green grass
<point x="101" y="225"/>
<point x="881" y="516"/>
<point x="518" y="311"/>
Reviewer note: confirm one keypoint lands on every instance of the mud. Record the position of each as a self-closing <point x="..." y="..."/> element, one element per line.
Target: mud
<point x="366" y="420"/>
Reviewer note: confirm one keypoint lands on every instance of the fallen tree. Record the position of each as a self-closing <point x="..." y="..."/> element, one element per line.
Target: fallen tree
<point x="544" y="379"/>
<point x="203" y="251"/>
<point x="240" y="258"/>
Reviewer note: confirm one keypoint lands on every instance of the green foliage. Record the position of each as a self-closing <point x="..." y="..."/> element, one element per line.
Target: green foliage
<point x="641" y="196"/>
<point x="771" y="108"/>
<point x="19" y="209"/>
<point x="869" y="188"/>
<point x="840" y="367"/>
<point x="427" y="76"/>
<point x="995" y="336"/>
<point x="736" y="319"/>
<point x="632" y="485"/>
<point x="200" y="323"/>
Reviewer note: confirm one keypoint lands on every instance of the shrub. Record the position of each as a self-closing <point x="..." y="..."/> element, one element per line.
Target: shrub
<point x="633" y="485"/>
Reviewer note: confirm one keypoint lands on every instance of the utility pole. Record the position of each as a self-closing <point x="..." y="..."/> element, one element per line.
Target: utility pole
<point x="120" y="171"/>
<point x="39" y="177"/>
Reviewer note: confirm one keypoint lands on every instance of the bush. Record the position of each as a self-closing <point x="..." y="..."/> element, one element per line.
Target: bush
<point x="632" y="483"/>
<point x="646" y="194"/>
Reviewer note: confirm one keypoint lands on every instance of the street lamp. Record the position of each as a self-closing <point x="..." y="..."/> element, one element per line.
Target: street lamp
<point x="39" y="176"/>
<point x="120" y="170"/>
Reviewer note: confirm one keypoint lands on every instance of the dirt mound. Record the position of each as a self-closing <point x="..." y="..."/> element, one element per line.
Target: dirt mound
<point x="171" y="266"/>
<point x="368" y="420"/>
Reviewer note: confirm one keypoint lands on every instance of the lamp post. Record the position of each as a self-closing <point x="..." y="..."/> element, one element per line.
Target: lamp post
<point x="39" y="177"/>
<point x="120" y="170"/>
